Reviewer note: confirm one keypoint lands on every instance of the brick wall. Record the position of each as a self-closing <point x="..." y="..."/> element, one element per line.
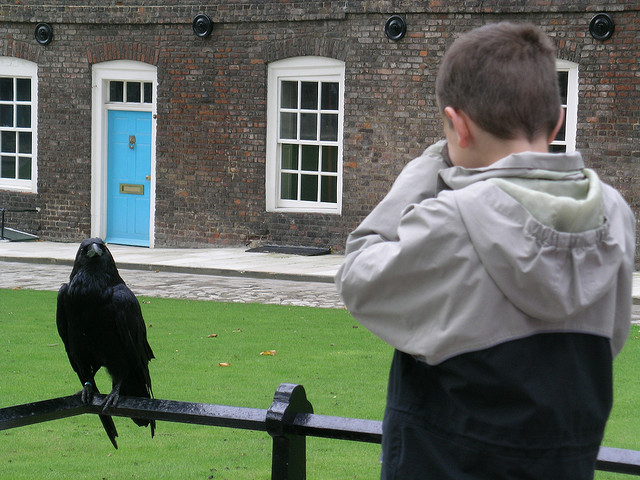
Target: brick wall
<point x="212" y="102"/>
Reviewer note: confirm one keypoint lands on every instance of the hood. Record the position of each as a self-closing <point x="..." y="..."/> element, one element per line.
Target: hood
<point x="557" y="253"/>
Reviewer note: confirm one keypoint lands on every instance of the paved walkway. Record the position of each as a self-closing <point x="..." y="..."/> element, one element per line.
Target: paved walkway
<point x="211" y="261"/>
<point x="222" y="274"/>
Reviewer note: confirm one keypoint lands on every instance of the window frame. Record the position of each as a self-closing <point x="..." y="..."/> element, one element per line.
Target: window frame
<point x="16" y="68"/>
<point x="301" y="69"/>
<point x="571" y="107"/>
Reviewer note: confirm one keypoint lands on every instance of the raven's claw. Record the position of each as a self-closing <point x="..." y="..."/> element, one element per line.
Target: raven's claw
<point x="87" y="393"/>
<point x="112" y="399"/>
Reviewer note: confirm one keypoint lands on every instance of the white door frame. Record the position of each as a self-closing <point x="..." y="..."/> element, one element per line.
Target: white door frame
<point x="101" y="74"/>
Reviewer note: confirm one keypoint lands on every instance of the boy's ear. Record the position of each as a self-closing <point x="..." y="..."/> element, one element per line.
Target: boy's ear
<point x="558" y="126"/>
<point x="460" y="125"/>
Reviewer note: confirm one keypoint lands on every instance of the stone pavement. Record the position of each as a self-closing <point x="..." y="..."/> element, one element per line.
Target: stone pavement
<point x="221" y="274"/>
<point x="211" y="261"/>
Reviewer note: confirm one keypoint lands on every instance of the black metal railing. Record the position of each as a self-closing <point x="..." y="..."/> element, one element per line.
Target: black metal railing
<point x="289" y="420"/>
<point x="13" y="210"/>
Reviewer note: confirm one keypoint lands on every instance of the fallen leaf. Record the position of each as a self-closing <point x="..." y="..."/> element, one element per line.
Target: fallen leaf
<point x="268" y="352"/>
<point x="224" y="364"/>
<point x="213" y="335"/>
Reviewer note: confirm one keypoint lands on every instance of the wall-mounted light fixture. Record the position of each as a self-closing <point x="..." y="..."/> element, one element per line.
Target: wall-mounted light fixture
<point x="602" y="27"/>
<point x="44" y="33"/>
<point x="395" y="28"/>
<point x="202" y="25"/>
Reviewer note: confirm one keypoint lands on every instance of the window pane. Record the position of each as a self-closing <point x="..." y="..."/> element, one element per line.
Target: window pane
<point x="148" y="93"/>
<point x="561" y="136"/>
<point x="309" y="188"/>
<point x="289" y="98"/>
<point x="133" y="92"/>
<point x="24" y="168"/>
<point x="6" y="115"/>
<point x="557" y="148"/>
<point x="24" y="142"/>
<point x="8" y="167"/>
<point x="310" y="157"/>
<point x="23" y="89"/>
<point x="330" y="96"/>
<point x="329" y="191"/>
<point x="563" y="83"/>
<point x="309" y="94"/>
<point x="329" y="159"/>
<point x="23" y="119"/>
<point x="289" y="157"/>
<point x="329" y="127"/>
<point x="308" y="126"/>
<point x="288" y="125"/>
<point x="116" y="91"/>
<point x="8" y="143"/>
<point x="6" y="89"/>
<point x="289" y="186"/>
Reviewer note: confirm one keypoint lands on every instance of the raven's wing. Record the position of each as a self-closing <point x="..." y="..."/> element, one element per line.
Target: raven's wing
<point x="138" y="353"/>
<point x="133" y="333"/>
<point x="61" y="318"/>
<point x="62" y="322"/>
<point x="64" y="315"/>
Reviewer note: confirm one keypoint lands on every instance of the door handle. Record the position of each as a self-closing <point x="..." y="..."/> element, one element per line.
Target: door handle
<point x="147" y="177"/>
<point x="132" y="141"/>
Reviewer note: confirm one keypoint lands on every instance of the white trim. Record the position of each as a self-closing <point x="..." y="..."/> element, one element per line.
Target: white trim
<point x="15" y="68"/>
<point x="299" y="68"/>
<point x="571" y="119"/>
<point x="102" y="73"/>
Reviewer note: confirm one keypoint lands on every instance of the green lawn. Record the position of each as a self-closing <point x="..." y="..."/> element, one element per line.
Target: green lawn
<point x="342" y="366"/>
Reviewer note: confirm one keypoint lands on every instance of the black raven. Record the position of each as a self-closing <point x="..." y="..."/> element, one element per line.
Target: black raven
<point x="100" y="322"/>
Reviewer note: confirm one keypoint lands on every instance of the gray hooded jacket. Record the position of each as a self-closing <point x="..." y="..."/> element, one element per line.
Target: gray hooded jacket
<point x="456" y="260"/>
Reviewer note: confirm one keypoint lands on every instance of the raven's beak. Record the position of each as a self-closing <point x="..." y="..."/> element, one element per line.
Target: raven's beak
<point x="94" y="250"/>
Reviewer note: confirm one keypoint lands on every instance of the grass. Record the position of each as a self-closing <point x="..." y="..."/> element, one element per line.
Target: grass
<point x="342" y="366"/>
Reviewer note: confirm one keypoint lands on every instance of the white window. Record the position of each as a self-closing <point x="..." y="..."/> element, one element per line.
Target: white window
<point x="565" y="141"/>
<point x="304" y="135"/>
<point x="18" y="121"/>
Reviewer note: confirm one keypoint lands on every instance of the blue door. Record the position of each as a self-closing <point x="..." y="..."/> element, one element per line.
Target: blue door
<point x="128" y="177"/>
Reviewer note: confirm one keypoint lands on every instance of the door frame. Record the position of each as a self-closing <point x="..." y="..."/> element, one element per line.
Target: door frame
<point x="101" y="74"/>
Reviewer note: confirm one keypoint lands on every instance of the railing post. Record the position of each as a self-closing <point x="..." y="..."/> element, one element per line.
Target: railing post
<point x="289" y="456"/>
<point x="3" y="210"/>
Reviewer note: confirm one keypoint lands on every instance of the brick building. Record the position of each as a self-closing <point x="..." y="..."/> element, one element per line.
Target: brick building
<point x="285" y="125"/>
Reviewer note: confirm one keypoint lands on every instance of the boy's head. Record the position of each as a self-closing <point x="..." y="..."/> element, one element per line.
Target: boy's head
<point x="503" y="76"/>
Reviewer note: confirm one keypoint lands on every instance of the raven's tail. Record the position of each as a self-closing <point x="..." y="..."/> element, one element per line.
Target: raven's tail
<point x="110" y="428"/>
<point x="134" y="387"/>
<point x="143" y="422"/>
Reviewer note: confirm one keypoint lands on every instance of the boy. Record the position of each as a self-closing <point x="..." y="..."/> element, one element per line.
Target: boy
<point x="501" y="274"/>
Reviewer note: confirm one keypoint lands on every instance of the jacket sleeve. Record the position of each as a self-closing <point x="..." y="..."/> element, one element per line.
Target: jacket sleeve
<point x="391" y="287"/>
<point x="417" y="181"/>
<point x="623" y="221"/>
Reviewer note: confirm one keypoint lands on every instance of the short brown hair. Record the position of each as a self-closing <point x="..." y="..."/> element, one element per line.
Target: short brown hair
<point x="503" y="76"/>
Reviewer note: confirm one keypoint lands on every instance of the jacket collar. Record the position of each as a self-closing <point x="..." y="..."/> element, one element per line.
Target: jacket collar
<point x="526" y="164"/>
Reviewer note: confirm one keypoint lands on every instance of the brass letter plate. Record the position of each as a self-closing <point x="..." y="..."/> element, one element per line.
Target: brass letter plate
<point x="132" y="188"/>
